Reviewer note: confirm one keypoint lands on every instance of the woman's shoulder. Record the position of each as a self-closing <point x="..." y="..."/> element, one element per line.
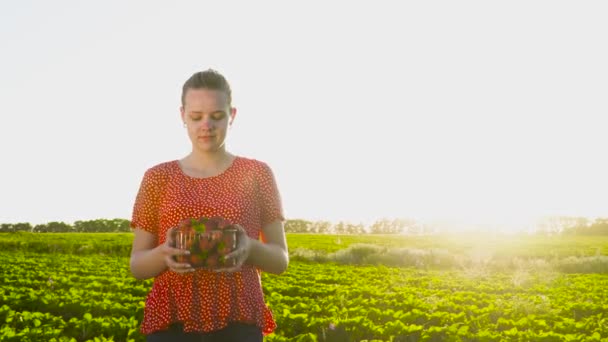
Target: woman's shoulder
<point x="253" y="164"/>
<point x="162" y="169"/>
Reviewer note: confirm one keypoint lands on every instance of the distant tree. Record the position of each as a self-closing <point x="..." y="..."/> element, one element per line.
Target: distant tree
<point x="22" y="227"/>
<point x="574" y="225"/>
<point x="427" y="229"/>
<point x="568" y="225"/>
<point x="120" y="225"/>
<point x="320" y="227"/>
<point x="15" y="227"/>
<point x="384" y="226"/>
<point x="397" y="226"/>
<point x="52" y="227"/>
<point x="352" y="228"/>
<point x="599" y="227"/>
<point x="549" y="226"/>
<point x="377" y="227"/>
<point x="297" y="226"/>
<point x="85" y="226"/>
<point x="59" y="227"/>
<point x="40" y="228"/>
<point x="402" y="226"/>
<point x="102" y="226"/>
<point x="340" y="228"/>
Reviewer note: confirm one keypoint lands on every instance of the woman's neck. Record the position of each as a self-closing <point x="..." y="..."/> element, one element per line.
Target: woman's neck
<point x="202" y="159"/>
<point x="207" y="163"/>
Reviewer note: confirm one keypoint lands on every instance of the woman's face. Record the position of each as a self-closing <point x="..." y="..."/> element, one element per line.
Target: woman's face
<point x="207" y="116"/>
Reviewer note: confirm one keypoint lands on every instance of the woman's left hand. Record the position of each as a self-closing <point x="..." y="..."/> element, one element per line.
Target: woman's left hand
<point x="238" y="257"/>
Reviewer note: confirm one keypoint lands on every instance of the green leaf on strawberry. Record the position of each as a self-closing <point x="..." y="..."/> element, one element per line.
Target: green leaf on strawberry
<point x="199" y="227"/>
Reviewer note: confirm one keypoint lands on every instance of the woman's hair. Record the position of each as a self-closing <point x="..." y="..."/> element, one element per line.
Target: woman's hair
<point x="208" y="79"/>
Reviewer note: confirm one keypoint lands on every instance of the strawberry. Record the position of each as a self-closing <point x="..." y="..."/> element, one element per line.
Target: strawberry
<point x="211" y="224"/>
<point x="206" y="242"/>
<point x="215" y="235"/>
<point x="229" y="238"/>
<point x="196" y="260"/>
<point x="222" y="224"/>
<point x="212" y="260"/>
<point x="185" y="224"/>
<point x="223" y="248"/>
<point x="227" y="263"/>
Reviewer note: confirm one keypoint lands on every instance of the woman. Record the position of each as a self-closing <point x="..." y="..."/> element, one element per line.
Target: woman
<point x="199" y="304"/>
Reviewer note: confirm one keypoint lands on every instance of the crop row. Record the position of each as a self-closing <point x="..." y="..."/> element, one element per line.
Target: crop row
<point x="44" y="295"/>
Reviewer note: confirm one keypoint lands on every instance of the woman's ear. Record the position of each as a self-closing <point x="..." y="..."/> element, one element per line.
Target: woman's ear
<point x="232" y="115"/>
<point x="182" y="114"/>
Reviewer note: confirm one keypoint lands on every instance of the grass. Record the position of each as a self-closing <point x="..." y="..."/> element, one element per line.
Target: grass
<point x="564" y="253"/>
<point x="506" y="246"/>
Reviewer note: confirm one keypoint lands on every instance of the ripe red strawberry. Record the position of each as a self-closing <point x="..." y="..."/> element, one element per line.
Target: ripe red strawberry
<point x="196" y="260"/>
<point x="229" y="238"/>
<point x="223" y="224"/>
<point x="206" y="242"/>
<point x="212" y="260"/>
<point x="211" y="224"/>
<point x="222" y="249"/>
<point x="216" y="235"/>
<point x="186" y="224"/>
<point x="227" y="262"/>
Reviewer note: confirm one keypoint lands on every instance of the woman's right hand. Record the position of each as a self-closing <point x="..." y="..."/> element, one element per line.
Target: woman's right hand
<point x="171" y="252"/>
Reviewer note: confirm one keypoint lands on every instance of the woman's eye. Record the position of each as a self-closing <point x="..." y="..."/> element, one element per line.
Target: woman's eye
<point x="218" y="116"/>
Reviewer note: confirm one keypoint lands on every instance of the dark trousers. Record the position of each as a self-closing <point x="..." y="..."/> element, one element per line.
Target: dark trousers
<point x="234" y="332"/>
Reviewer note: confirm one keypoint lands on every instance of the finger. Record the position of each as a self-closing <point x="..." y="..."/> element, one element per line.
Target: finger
<point x="179" y="267"/>
<point x="236" y="254"/>
<point x="169" y="233"/>
<point x="168" y="250"/>
<point x="232" y="265"/>
<point x="173" y="261"/>
<point x="228" y="269"/>
<point x="183" y="270"/>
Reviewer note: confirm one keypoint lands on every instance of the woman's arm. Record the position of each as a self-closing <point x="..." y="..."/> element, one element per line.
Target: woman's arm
<point x="271" y="256"/>
<point x="149" y="260"/>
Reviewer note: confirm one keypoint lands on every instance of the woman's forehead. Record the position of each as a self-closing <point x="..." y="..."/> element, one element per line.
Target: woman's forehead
<point x="208" y="99"/>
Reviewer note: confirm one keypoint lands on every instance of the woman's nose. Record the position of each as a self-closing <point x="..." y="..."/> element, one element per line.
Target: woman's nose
<point x="206" y="123"/>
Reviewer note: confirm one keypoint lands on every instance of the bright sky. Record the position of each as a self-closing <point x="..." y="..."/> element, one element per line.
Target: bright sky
<point x="477" y="111"/>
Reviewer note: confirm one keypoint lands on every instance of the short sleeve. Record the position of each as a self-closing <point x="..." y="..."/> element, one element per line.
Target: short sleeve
<point x="271" y="205"/>
<point x="146" y="207"/>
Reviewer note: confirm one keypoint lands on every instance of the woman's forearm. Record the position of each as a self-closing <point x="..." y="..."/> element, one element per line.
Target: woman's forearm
<point x="268" y="257"/>
<point x="147" y="263"/>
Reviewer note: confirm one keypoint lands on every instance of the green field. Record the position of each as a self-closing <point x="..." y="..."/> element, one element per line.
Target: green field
<point x="77" y="287"/>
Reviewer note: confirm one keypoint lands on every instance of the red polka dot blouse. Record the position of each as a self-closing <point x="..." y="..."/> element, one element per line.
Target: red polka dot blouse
<point x="246" y="194"/>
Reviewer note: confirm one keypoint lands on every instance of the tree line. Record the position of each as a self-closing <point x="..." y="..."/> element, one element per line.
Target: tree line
<point x="568" y="225"/>
<point x="89" y="226"/>
<point x="549" y="226"/>
<point x="382" y="226"/>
